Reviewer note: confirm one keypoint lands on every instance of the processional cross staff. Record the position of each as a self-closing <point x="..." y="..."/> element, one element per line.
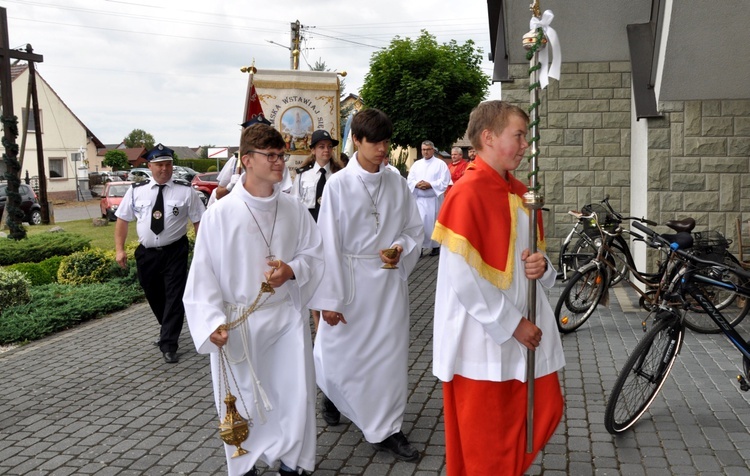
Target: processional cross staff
<point x="536" y="42"/>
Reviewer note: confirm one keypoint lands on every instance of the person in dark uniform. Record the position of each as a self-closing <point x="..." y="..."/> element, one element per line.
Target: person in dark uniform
<point x="162" y="207"/>
<point x="312" y="175"/>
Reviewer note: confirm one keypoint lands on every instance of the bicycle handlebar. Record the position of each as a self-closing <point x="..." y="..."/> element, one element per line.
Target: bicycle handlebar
<point x="655" y="237"/>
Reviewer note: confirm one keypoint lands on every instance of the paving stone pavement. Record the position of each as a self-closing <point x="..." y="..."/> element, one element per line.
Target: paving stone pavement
<point x="98" y="399"/>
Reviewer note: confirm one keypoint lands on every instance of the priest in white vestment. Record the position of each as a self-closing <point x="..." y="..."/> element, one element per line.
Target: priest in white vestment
<point x="428" y="180"/>
<point x="254" y="235"/>
<point x="361" y="350"/>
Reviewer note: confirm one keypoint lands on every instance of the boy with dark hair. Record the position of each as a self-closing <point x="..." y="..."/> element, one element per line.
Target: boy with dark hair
<point x="266" y="238"/>
<point x="361" y="351"/>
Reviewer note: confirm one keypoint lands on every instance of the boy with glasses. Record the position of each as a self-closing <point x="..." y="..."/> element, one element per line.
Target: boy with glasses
<point x="253" y="239"/>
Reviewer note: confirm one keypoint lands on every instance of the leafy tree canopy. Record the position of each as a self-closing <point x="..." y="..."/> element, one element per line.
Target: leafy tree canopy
<point x="116" y="159"/>
<point x="428" y="90"/>
<point x="139" y="138"/>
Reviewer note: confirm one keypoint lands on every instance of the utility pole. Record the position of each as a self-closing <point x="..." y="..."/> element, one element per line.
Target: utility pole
<point x="10" y="127"/>
<point x="294" y="49"/>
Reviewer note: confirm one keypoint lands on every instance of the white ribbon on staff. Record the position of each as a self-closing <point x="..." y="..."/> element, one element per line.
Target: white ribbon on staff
<point x="548" y="69"/>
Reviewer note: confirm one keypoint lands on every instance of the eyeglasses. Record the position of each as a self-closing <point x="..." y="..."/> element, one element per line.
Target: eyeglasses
<point x="273" y="158"/>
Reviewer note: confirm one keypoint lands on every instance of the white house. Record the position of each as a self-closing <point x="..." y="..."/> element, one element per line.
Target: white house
<point x="69" y="146"/>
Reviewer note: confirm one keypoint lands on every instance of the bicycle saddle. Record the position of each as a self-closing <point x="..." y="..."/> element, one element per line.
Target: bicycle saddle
<point x="686" y="224"/>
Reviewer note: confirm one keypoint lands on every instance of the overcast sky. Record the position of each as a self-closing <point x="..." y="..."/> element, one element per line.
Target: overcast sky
<point x="172" y="67"/>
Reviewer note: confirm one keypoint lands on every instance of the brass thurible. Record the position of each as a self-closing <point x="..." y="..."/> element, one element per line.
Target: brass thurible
<point x="234" y="429"/>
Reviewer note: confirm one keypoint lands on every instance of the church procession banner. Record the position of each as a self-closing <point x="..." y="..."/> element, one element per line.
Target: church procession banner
<point x="298" y="103"/>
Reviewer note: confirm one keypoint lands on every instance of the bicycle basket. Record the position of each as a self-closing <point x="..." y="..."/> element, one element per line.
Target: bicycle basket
<point x="607" y="220"/>
<point x="710" y="245"/>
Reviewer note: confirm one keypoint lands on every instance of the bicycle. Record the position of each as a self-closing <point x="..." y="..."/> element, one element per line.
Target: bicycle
<point x="573" y="255"/>
<point x="650" y="363"/>
<point x="589" y="285"/>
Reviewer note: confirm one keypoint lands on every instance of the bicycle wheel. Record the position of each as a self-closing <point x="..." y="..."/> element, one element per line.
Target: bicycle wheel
<point x="620" y="262"/>
<point x="580" y="298"/>
<point x="583" y="250"/>
<point x="644" y="373"/>
<point x="731" y="305"/>
<point x="565" y="261"/>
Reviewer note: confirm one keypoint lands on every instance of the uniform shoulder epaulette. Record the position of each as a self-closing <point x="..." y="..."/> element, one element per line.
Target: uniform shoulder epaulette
<point x="180" y="181"/>
<point x="141" y="183"/>
<point x="305" y="168"/>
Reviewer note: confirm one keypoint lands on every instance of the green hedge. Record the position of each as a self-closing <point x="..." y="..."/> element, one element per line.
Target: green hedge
<point x="34" y="272"/>
<point x="55" y="307"/>
<point x="36" y="248"/>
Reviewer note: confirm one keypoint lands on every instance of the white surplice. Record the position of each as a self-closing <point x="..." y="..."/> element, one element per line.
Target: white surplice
<point x="475" y="320"/>
<point x="224" y="279"/>
<point x="435" y="172"/>
<point x="362" y="365"/>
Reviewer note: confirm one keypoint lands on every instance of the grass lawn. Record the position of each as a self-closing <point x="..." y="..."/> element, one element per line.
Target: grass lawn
<point x="101" y="236"/>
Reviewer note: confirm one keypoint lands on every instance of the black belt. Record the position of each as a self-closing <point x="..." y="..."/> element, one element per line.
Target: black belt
<point x="166" y="247"/>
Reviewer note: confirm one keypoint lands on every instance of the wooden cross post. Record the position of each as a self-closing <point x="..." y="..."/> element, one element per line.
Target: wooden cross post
<point x="10" y="128"/>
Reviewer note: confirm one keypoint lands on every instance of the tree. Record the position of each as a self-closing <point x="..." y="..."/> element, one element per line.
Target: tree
<point x="428" y="90"/>
<point x="116" y="159"/>
<point x="139" y="138"/>
<point x="204" y="150"/>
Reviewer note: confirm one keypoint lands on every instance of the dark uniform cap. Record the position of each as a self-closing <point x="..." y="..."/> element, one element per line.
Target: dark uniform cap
<point x="320" y="135"/>
<point x="259" y="119"/>
<point x="160" y="153"/>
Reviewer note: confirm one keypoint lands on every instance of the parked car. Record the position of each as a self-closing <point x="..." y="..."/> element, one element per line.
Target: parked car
<point x="32" y="211"/>
<point x="120" y="175"/>
<point x="205" y="183"/>
<point x="182" y="172"/>
<point x="111" y="198"/>
<point x="139" y="174"/>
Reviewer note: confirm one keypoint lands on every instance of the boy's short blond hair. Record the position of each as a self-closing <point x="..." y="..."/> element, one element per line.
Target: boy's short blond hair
<point x="492" y="115"/>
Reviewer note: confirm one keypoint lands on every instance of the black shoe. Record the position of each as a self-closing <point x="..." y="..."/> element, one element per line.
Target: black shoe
<point x="156" y="343"/>
<point x="330" y="413"/>
<point x="398" y="446"/>
<point x="171" y="357"/>
<point x="287" y="473"/>
<point x="252" y="472"/>
<point x="435" y="252"/>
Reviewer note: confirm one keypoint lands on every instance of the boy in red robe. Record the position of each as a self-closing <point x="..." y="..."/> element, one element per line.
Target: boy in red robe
<point x="481" y="333"/>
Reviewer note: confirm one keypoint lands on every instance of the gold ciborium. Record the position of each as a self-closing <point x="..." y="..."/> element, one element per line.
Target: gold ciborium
<point x="234" y="429"/>
<point x="390" y="253"/>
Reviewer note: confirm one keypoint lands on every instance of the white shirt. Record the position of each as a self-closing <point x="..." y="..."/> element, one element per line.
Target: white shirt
<point x="306" y="184"/>
<point x="181" y="203"/>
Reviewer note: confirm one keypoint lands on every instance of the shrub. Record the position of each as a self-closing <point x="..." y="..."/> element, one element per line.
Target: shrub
<point x="56" y="307"/>
<point x="211" y="169"/>
<point x="36" y="248"/>
<point x="86" y="267"/>
<point x="34" y="272"/>
<point x="14" y="288"/>
<point x="52" y="265"/>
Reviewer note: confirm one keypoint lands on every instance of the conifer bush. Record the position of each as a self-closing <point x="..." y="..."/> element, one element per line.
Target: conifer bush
<point x="36" y="248"/>
<point x="34" y="272"/>
<point x="55" y="307"/>
<point x="14" y="288"/>
<point x="86" y="267"/>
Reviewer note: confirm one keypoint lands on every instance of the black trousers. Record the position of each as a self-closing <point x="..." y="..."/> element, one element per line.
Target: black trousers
<point x="162" y="273"/>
